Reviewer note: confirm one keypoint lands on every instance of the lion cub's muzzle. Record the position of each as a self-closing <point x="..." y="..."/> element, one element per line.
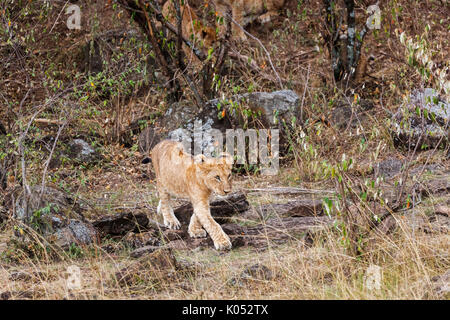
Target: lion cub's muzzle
<point x="227" y="189"/>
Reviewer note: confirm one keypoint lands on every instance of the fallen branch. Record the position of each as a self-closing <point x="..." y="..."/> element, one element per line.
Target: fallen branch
<point x="49" y="122"/>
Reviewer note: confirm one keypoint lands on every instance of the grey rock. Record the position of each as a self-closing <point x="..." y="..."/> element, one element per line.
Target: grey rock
<point x="388" y="168"/>
<point x="431" y="101"/>
<point x="430" y="128"/>
<point x="75" y="232"/>
<point x="93" y="57"/>
<point x="257" y="271"/>
<point x="20" y="276"/>
<point x="80" y="150"/>
<point x="54" y="215"/>
<point x="2" y="129"/>
<point x="190" y="125"/>
<point x="139" y="240"/>
<point x="50" y="203"/>
<point x="435" y="168"/>
<point x="121" y="223"/>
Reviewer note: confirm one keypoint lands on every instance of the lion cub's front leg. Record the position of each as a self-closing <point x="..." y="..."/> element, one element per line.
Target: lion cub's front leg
<point x="166" y="210"/>
<point x="195" y="228"/>
<point x="203" y="214"/>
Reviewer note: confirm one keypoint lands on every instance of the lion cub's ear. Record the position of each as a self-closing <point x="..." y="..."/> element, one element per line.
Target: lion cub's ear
<point x="225" y="158"/>
<point x="200" y="158"/>
<point x="179" y="150"/>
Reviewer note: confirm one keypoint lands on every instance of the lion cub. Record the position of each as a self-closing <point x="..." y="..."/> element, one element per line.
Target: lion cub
<point x="191" y="27"/>
<point x="245" y="11"/>
<point x="179" y="174"/>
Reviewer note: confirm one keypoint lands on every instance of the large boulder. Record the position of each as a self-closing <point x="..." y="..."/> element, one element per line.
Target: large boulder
<point x="189" y="124"/>
<point x="53" y="214"/>
<point x="423" y="121"/>
<point x="270" y="109"/>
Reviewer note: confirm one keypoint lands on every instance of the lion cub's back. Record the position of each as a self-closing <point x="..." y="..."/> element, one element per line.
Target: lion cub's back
<point x="169" y="160"/>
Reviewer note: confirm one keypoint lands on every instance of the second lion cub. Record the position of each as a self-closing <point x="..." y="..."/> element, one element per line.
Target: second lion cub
<point x="196" y="178"/>
<point x="192" y="27"/>
<point x="245" y="11"/>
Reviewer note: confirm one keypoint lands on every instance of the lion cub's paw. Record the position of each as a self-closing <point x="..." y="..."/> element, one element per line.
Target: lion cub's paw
<point x="223" y="244"/>
<point x="172" y="223"/>
<point x="201" y="233"/>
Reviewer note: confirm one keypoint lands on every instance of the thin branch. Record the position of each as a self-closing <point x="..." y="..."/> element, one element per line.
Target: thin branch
<point x="49" y="159"/>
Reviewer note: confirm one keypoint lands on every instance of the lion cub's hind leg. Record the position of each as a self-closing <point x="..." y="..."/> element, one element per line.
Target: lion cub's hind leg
<point x="166" y="210"/>
<point x="195" y="228"/>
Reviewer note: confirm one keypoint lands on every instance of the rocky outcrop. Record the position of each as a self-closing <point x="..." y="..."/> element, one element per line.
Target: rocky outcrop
<point x="79" y="150"/>
<point x="54" y="214"/>
<point x="423" y="121"/>
<point x="121" y="223"/>
<point x="270" y="110"/>
<point x="185" y="122"/>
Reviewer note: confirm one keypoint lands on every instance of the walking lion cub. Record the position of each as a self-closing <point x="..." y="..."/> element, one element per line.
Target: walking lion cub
<point x="191" y="27"/>
<point x="181" y="175"/>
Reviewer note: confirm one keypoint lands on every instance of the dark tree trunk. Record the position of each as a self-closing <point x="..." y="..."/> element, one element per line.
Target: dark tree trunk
<point x="344" y="57"/>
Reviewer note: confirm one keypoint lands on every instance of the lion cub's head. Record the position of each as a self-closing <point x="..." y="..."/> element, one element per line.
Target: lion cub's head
<point x="208" y="37"/>
<point x="215" y="172"/>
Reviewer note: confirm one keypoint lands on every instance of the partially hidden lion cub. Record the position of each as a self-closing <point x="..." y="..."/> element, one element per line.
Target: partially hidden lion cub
<point x="245" y="11"/>
<point x="191" y="27"/>
<point x="196" y="178"/>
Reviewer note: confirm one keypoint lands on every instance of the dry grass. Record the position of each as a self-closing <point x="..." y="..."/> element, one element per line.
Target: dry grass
<point x="409" y="259"/>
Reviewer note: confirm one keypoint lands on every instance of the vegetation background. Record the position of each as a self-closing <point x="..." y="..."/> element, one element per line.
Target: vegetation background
<point x="112" y="79"/>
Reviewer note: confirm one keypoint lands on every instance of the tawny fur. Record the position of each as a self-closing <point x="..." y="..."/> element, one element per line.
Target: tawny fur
<point x="196" y="178"/>
<point x="245" y="11"/>
<point x="192" y="28"/>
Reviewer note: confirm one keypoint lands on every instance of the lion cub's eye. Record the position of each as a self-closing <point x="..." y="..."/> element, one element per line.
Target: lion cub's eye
<point x="217" y="178"/>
